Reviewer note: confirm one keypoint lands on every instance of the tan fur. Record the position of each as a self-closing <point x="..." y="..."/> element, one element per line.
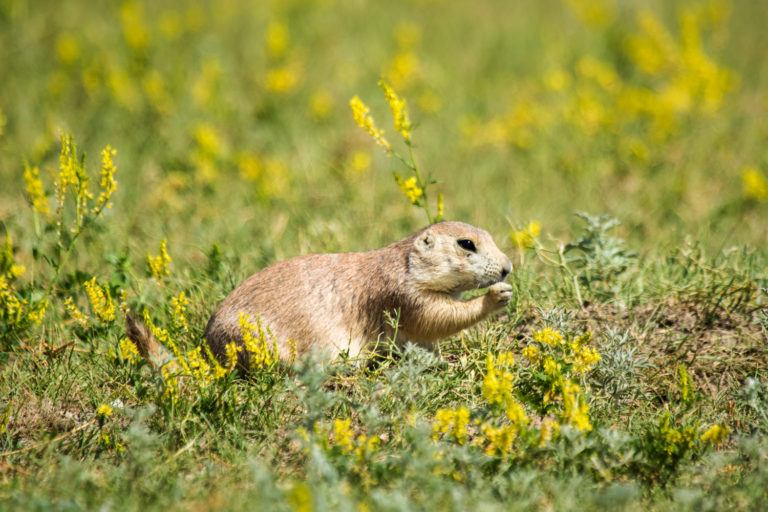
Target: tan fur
<point x="334" y="303"/>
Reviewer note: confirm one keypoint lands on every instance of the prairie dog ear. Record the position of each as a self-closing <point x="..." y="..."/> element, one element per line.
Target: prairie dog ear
<point x="425" y="241"/>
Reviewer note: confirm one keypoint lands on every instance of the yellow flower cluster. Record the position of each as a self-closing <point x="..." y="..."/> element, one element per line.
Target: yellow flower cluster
<point x="498" y="389"/>
<point x="284" y="74"/>
<point x="129" y="351"/>
<point x="684" y="383"/>
<point x="204" y="370"/>
<point x="158" y="265"/>
<point x="108" y="184"/>
<point x="754" y="184"/>
<point x="575" y="408"/>
<point x="453" y="422"/>
<point x="410" y="188"/>
<point x="549" y="336"/>
<point x="675" y="440"/>
<point x="231" y="350"/>
<point x="583" y="357"/>
<point x="104" y="411"/>
<point x="18" y="312"/>
<point x="680" y="81"/>
<point x="35" y="189"/>
<point x="15" y="310"/>
<point x="715" y="434"/>
<point x="277" y="39"/>
<point x="282" y="80"/>
<point x="556" y="358"/>
<point x="361" y="114"/>
<point x="75" y="313"/>
<point x="133" y="25"/>
<point x="525" y="237"/>
<point x="498" y="382"/>
<point x="71" y="175"/>
<point x="399" y="110"/>
<point x="258" y="341"/>
<point x="180" y="304"/>
<point x="532" y="353"/>
<point x="343" y="437"/>
<point x="101" y="301"/>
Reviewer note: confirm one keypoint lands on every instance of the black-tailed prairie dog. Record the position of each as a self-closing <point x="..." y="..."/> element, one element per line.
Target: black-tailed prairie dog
<point x="338" y="303"/>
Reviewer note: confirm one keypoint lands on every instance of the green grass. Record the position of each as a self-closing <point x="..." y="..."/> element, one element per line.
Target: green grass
<point x="239" y="148"/>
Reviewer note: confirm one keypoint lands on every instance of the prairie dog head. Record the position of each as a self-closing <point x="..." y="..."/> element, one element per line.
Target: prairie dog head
<point x="452" y="257"/>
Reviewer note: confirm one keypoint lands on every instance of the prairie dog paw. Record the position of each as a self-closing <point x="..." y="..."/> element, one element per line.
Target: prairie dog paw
<point x="500" y="294"/>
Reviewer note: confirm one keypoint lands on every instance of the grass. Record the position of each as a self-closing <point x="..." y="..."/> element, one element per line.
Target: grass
<point x="236" y="147"/>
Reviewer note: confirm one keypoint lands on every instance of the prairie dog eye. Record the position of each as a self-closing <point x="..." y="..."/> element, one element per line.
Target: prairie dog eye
<point x="467" y="245"/>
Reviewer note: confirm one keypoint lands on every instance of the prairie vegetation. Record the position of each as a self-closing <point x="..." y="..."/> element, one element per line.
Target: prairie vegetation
<point x="153" y="155"/>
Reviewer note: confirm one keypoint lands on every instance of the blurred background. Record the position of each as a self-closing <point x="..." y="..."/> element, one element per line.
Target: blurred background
<point x="232" y="124"/>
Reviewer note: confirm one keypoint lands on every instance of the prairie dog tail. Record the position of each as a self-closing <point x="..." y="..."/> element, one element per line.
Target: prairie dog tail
<point x="149" y="348"/>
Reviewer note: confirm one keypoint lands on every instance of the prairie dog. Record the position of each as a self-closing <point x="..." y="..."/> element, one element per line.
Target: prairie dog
<point x="334" y="303"/>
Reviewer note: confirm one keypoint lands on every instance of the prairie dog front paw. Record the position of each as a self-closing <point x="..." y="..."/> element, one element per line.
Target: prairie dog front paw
<point x="499" y="294"/>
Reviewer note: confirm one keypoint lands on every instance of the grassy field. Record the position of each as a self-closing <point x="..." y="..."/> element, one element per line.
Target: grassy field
<point x="154" y="154"/>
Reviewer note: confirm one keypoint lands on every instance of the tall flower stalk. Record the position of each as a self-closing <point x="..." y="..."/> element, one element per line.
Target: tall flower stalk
<point x="414" y="187"/>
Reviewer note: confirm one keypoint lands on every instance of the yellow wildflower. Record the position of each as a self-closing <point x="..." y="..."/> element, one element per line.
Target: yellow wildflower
<point x="128" y="350"/>
<point x="134" y="29"/>
<point x="200" y="368"/>
<point x="549" y="336"/>
<point x="256" y="340"/>
<point x="685" y="383"/>
<point x="250" y="166"/>
<point x="399" y="110"/>
<point x="123" y="303"/>
<point x="16" y="271"/>
<point x="208" y="140"/>
<point x="491" y="385"/>
<point x="754" y="184"/>
<point x="593" y="13"/>
<point x="410" y="188"/>
<point x="440" y="208"/>
<point x="101" y="301"/>
<point x="515" y="412"/>
<point x="499" y="439"/>
<point x="715" y="434"/>
<point x="366" y="446"/>
<point x="108" y="184"/>
<point x="180" y="304"/>
<point x="37" y="312"/>
<point x="361" y="114"/>
<point x="277" y="39"/>
<point x="525" y="237"/>
<point x="231" y="350"/>
<point x="67" y="49"/>
<point x="455" y="422"/>
<point x="104" y="411"/>
<point x="532" y="353"/>
<point x="282" y="80"/>
<point x="342" y="434"/>
<point x="551" y="367"/>
<point x="158" y="265"/>
<point x="585" y="359"/>
<point x="547" y="431"/>
<point x="575" y="407"/>
<point x="360" y="161"/>
<point x="35" y="189"/>
<point x="402" y="69"/>
<point x="71" y="174"/>
<point x="75" y="313"/>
